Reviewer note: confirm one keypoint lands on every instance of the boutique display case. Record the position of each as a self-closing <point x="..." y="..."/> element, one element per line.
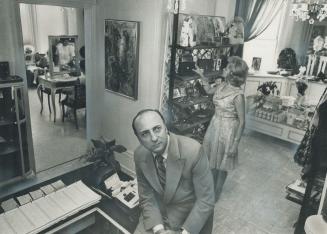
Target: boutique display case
<point x="15" y="157"/>
<point x="191" y="109"/>
<point x="279" y="115"/>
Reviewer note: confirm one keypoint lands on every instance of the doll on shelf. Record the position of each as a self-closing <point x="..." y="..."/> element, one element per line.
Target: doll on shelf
<point x="187" y="37"/>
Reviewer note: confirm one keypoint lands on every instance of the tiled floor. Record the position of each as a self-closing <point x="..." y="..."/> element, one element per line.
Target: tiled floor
<point x="55" y="143"/>
<point x="253" y="199"/>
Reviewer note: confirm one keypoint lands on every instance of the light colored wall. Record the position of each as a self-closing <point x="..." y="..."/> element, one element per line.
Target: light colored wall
<point x="225" y="8"/>
<point x="116" y="111"/>
<point x="6" y="35"/>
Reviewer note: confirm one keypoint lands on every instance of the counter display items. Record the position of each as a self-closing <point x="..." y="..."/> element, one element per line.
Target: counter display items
<point x="288" y="110"/>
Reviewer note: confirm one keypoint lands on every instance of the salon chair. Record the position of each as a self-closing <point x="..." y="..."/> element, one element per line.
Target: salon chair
<point x="75" y="101"/>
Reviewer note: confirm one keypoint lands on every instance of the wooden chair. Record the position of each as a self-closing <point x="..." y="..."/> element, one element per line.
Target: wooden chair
<point x="47" y="91"/>
<point x="75" y="101"/>
<point x="311" y="64"/>
<point x="322" y="64"/>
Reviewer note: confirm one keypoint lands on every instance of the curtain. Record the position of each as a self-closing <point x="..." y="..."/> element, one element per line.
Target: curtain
<point x="292" y="30"/>
<point x="257" y="15"/>
<point x="37" y="24"/>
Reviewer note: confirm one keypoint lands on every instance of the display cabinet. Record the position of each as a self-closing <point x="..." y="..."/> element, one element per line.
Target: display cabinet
<point x="15" y="159"/>
<point x="278" y="114"/>
<point x="190" y="107"/>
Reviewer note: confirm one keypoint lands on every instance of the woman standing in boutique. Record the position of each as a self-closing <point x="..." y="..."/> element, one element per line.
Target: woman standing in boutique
<point x="224" y="132"/>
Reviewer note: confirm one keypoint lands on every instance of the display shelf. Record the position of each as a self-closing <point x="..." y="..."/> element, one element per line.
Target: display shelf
<point x="6" y="122"/>
<point x="184" y="127"/>
<point x="202" y="47"/>
<point x="183" y="102"/>
<point x="14" y="142"/>
<point x="212" y="56"/>
<point x="195" y="76"/>
<point x="279" y="130"/>
<point x="8" y="149"/>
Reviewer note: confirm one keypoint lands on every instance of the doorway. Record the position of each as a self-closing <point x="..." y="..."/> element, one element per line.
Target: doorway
<point x="55" y="142"/>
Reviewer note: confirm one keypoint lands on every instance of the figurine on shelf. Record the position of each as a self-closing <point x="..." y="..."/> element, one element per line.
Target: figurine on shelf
<point x="236" y="31"/>
<point x="302" y="70"/>
<point x="187" y="37"/>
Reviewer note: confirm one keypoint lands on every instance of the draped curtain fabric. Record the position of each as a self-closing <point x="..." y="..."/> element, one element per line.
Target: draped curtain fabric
<point x="257" y="15"/>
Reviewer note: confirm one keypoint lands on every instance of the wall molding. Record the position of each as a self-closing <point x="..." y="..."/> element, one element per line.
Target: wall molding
<point x="64" y="3"/>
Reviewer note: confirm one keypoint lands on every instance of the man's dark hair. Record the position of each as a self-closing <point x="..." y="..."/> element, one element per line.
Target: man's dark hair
<point x="141" y="112"/>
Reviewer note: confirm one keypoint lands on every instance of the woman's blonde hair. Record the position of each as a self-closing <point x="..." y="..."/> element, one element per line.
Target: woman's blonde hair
<point x="237" y="71"/>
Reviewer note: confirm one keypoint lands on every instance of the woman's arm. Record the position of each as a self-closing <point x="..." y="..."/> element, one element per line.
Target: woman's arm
<point x="239" y="103"/>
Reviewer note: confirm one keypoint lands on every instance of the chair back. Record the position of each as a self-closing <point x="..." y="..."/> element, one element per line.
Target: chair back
<point x="322" y="64"/>
<point x="311" y="64"/>
<point x="80" y="96"/>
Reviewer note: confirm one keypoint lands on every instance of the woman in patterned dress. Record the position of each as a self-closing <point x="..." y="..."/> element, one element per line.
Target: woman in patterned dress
<point x="224" y="132"/>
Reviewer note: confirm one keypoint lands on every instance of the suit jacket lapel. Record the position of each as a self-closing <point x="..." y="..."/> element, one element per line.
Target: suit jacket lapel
<point x="150" y="172"/>
<point x="174" y="168"/>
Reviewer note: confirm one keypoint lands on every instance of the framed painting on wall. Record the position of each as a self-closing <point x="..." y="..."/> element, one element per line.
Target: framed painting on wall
<point x="121" y="57"/>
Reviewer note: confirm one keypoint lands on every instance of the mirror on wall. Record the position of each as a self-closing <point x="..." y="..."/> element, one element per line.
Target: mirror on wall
<point x="63" y="54"/>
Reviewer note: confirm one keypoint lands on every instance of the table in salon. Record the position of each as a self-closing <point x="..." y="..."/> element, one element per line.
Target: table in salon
<point x="54" y="83"/>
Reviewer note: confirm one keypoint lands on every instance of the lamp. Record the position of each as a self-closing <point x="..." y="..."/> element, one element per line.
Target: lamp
<point x="309" y="10"/>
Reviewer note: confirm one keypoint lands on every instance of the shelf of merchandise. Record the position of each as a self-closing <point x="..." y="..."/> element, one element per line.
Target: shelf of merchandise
<point x="279" y="130"/>
<point x="8" y="149"/>
<point x="185" y="127"/>
<point x="6" y="122"/>
<point x="15" y="155"/>
<point x="202" y="47"/>
<point x="183" y="102"/>
<point x="214" y="52"/>
<point x="195" y="76"/>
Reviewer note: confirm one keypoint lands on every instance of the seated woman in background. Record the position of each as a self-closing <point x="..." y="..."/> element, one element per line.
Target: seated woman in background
<point x="226" y="127"/>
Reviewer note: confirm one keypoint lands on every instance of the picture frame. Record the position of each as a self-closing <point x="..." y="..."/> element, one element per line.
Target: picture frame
<point x="121" y="57"/>
<point x="256" y="63"/>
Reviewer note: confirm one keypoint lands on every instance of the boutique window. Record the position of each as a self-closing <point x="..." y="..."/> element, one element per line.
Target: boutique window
<point x="264" y="47"/>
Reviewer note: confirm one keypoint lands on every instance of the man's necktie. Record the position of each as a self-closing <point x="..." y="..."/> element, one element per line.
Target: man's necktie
<point x="161" y="170"/>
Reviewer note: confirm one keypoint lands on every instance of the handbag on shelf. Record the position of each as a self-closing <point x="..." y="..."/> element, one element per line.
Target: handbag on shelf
<point x="186" y="65"/>
<point x="206" y="64"/>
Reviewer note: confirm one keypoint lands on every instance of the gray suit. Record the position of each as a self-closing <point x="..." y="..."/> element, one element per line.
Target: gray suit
<point x="188" y="198"/>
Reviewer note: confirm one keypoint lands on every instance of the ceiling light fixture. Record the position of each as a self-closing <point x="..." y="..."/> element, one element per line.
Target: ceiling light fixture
<point x="309" y="10"/>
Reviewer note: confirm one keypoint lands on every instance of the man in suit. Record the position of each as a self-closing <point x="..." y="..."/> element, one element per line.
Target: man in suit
<point x="174" y="180"/>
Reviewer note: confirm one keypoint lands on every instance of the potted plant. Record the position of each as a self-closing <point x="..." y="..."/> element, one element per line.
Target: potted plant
<point x="104" y="162"/>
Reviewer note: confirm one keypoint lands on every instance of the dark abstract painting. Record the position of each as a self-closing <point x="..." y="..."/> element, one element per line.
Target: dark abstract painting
<point x="121" y="57"/>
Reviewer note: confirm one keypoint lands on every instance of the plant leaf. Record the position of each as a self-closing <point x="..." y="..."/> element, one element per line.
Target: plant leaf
<point x="118" y="148"/>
